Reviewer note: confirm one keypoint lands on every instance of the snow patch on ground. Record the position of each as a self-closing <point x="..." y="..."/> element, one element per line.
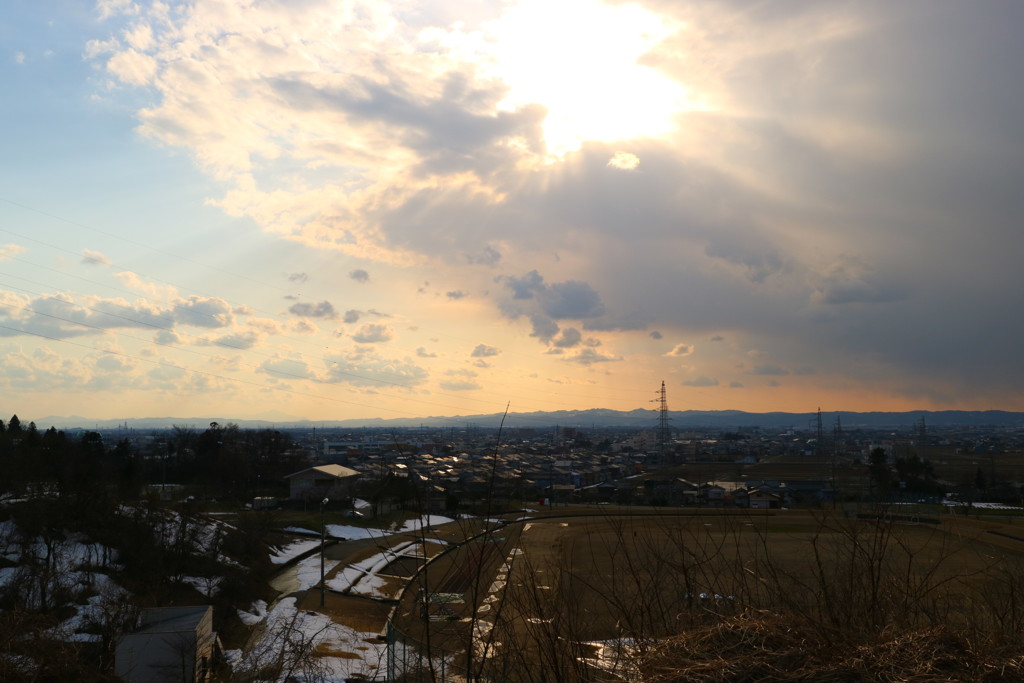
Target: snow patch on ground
<point x="983" y="506"/>
<point x="362" y="578"/>
<point x="290" y="635"/>
<point x="425" y="521"/>
<point x="257" y="613"/>
<point x="350" y="532"/>
<point x="293" y="550"/>
<point x="308" y="571"/>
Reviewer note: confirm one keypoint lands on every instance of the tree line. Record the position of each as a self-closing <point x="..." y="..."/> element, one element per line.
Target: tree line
<point x="222" y="461"/>
<point x="86" y="539"/>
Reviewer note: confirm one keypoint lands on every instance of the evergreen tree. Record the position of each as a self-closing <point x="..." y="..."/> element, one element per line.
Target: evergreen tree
<point x="879" y="469"/>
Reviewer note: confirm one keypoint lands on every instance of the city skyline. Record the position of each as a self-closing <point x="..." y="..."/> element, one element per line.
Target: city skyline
<point x="343" y="209"/>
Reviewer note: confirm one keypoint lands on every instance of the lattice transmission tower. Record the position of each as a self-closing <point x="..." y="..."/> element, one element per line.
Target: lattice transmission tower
<point x="664" y="431"/>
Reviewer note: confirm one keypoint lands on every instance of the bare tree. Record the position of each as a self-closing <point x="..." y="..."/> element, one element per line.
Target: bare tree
<point x="284" y="649"/>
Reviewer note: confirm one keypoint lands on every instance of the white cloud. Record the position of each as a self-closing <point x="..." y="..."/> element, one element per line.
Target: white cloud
<point x="110" y="8"/>
<point x="364" y="371"/>
<point x="569" y="338"/>
<point x="133" y="68"/>
<point x="286" y="368"/>
<point x="61" y="317"/>
<point x="590" y="356"/>
<point x="624" y="161"/>
<point x="94" y="258"/>
<point x="484" y="351"/>
<point x="96" y="48"/>
<point x="8" y="251"/>
<point x="44" y="371"/>
<point x="681" y="350"/>
<point x="140" y="37"/>
<point x="302" y="327"/>
<point x="155" y="291"/>
<point x="114" y="363"/>
<point x="167" y="337"/>
<point x="814" y="204"/>
<point x="324" y="309"/>
<point x="462" y="380"/>
<point x="238" y="340"/>
<point x="167" y="378"/>
<point x="373" y="333"/>
<point x="266" y="325"/>
<point x="200" y="311"/>
<point x="458" y="385"/>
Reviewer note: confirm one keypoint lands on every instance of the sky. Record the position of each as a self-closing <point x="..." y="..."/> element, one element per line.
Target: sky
<point x="336" y="209"/>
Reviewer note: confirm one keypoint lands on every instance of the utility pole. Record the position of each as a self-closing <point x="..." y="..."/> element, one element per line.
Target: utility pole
<point x="837" y="438"/>
<point x="323" y="543"/>
<point x="821" y="436"/>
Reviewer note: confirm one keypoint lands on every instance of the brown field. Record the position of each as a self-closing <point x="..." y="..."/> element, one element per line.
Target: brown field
<point x="950" y="466"/>
<point x="603" y="573"/>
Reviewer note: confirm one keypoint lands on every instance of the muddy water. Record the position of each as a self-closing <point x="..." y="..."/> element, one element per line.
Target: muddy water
<point x="286" y="582"/>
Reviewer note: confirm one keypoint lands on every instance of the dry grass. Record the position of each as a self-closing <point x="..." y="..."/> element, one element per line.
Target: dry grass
<point x="615" y="566"/>
<point x="804" y="597"/>
<point x="761" y="646"/>
<point x="327" y="651"/>
<point x="359" y="614"/>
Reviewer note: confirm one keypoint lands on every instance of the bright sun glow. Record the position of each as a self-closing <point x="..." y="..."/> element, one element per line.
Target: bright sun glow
<point x="579" y="58"/>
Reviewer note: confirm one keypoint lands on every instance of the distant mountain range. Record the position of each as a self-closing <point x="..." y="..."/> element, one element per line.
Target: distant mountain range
<point x="595" y="418"/>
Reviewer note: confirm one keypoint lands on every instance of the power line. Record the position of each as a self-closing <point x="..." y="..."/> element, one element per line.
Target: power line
<point x="617" y="390"/>
<point x="170" y="322"/>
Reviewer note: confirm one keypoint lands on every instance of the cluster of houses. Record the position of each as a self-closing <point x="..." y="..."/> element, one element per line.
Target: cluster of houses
<point x="753" y="494"/>
<point x="457" y="467"/>
<point x="517" y="474"/>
